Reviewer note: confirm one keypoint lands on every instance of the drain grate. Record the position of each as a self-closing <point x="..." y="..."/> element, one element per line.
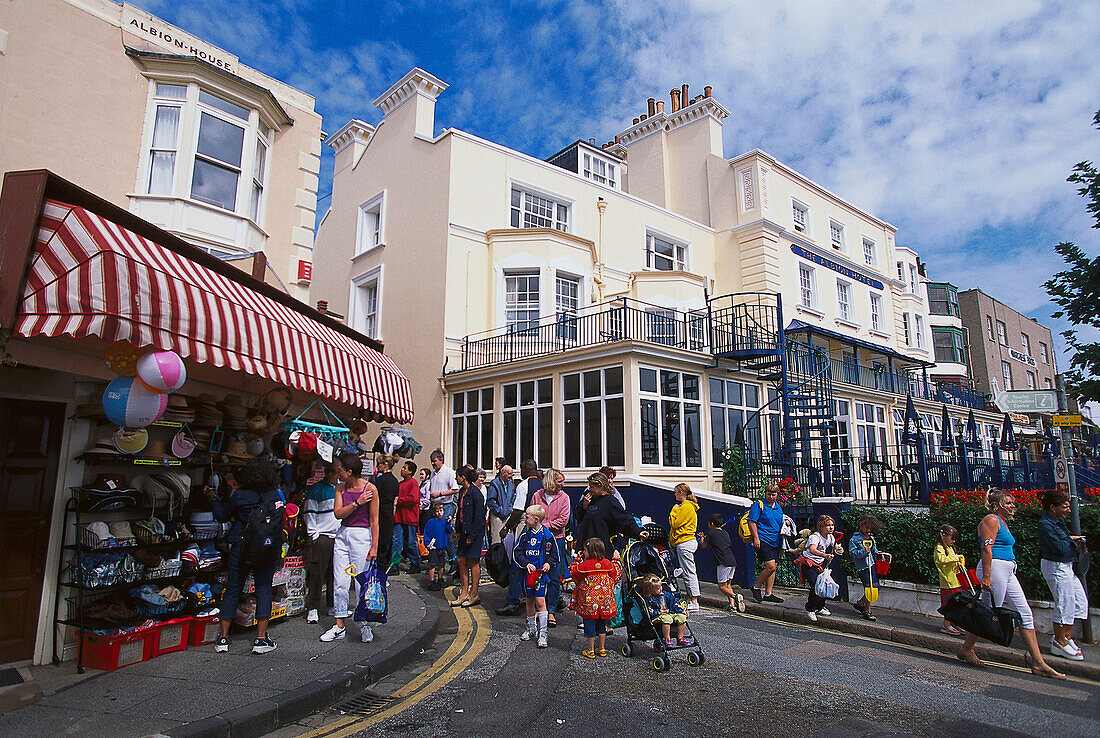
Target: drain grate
<point x="366" y="703"/>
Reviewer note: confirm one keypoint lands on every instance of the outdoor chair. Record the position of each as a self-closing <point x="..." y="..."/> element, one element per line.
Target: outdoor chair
<point x="883" y="478"/>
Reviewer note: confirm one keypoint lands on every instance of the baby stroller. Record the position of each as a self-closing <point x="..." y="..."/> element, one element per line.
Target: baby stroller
<point x="640" y="559"/>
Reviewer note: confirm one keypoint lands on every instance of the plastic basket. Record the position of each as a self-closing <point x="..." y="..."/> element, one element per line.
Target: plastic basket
<point x="170" y="636"/>
<point x="203" y="631"/>
<point x="882" y="564"/>
<point x="108" y="653"/>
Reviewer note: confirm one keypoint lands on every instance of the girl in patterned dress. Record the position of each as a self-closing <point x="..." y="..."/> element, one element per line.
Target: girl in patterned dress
<point x="594" y="596"/>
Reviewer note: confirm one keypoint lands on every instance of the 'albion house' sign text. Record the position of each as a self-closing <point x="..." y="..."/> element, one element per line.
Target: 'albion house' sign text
<point x="173" y="40"/>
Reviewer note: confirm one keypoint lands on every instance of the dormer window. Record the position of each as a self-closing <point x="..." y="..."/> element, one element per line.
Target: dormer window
<point x="601" y="171"/>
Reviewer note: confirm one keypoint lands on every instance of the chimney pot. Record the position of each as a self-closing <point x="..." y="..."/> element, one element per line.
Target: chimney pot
<point x="675" y="95"/>
<point x="684" y="95"/>
<point x="635" y="121"/>
<point x="651" y="106"/>
<point x="322" y="306"/>
<point x="706" y="91"/>
<point x="643" y="116"/>
<point x="660" y="106"/>
<point x="592" y="141"/>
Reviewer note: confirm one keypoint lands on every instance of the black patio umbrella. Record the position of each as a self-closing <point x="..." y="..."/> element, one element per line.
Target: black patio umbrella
<point x="971" y="440"/>
<point x="1008" y="436"/>
<point x="912" y="429"/>
<point x="947" y="433"/>
<point x="1052" y="442"/>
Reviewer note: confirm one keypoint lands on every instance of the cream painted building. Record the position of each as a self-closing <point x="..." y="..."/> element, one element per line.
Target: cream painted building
<point x="164" y="124"/>
<point x="576" y="310"/>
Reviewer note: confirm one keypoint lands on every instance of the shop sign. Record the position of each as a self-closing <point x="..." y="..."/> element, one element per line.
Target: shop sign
<point x="1019" y="419"/>
<point x="168" y="37"/>
<point x="838" y="268"/>
<point x="305" y="270"/>
<point x="1020" y="356"/>
<point x="1067" y="421"/>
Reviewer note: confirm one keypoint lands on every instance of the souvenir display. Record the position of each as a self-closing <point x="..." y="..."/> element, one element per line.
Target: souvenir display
<point x="127" y="403"/>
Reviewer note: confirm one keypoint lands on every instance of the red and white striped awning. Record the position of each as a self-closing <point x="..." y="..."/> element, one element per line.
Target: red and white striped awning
<point x="91" y="277"/>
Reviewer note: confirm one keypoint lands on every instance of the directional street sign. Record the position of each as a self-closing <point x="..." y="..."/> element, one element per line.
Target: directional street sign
<point x="1027" y="401"/>
<point x="1067" y="421"/>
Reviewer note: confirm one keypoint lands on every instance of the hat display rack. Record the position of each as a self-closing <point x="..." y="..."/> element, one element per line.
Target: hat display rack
<point x="332" y="428"/>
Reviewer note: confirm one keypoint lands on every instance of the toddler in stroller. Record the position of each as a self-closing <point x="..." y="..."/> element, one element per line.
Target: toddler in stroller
<point x="653" y="608"/>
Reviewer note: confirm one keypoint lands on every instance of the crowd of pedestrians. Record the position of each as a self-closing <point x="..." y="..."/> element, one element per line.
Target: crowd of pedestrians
<point x="443" y="520"/>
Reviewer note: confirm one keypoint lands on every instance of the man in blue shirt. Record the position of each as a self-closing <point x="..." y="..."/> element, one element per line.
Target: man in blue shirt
<point x="500" y="496"/>
<point x="765" y="522"/>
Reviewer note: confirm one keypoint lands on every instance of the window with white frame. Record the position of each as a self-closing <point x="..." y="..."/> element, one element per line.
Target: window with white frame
<point x="664" y="254"/>
<point x="1032" y="382"/>
<point x="800" y="214"/>
<point x="567" y="291"/>
<point x="912" y="279"/>
<point x="224" y="143"/>
<point x="472" y="428"/>
<point x="367" y="300"/>
<point x="869" y="252"/>
<point x="1006" y="375"/>
<point x="843" y="300"/>
<point x="901" y="272"/>
<point x="807" y="286"/>
<point x="906" y="332"/>
<point x="1002" y="333"/>
<point x="600" y="171"/>
<point x="368" y="234"/>
<point x="521" y="300"/>
<point x="870" y="426"/>
<point x="1044" y="353"/>
<point x="532" y="210"/>
<point x="696" y="329"/>
<point x="527" y="417"/>
<point x="731" y="404"/>
<point x="918" y="329"/>
<point x="1026" y="342"/>
<point x="670" y="416"/>
<point x="661" y="325"/>
<point x="836" y="235"/>
<point x="989" y="327"/>
<point x="594" y="424"/>
<point x="876" y="312"/>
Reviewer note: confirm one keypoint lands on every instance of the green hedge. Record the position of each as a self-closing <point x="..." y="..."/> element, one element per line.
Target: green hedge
<point x="911" y="537"/>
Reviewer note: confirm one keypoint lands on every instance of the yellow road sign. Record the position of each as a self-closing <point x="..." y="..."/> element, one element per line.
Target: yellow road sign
<point x="1067" y="421"/>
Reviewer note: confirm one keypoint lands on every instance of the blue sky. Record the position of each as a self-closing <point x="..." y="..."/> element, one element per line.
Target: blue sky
<point x="958" y="122"/>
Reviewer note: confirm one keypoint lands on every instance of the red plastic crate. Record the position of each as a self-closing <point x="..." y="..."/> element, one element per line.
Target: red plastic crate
<point x="114" y="652"/>
<point x="170" y="636"/>
<point x="203" y="631"/>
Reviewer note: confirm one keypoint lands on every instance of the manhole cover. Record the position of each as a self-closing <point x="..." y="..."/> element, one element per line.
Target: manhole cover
<point x="366" y="703"/>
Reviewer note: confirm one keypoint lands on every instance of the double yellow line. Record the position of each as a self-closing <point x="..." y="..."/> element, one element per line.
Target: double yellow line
<point x="473" y="633"/>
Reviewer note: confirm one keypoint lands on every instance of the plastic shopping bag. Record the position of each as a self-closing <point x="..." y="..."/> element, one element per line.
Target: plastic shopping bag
<point x="372" y="595"/>
<point x="826" y="586"/>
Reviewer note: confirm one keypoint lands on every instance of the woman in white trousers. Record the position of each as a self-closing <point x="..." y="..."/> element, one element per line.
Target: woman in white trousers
<point x="356" y="507"/>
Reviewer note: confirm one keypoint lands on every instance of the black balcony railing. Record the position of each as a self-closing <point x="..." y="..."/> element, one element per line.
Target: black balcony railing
<point x="619" y="320"/>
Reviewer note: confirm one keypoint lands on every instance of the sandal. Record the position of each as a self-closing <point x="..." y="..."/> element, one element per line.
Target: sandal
<point x="866" y="614"/>
<point x="551" y="621"/>
<point x="1050" y="673"/>
<point x="602" y="653"/>
<point x="459" y="602"/>
<point x="952" y="631"/>
<point x="588" y="654"/>
<point x="471" y="603"/>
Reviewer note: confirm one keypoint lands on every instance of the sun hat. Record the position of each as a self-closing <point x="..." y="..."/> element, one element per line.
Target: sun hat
<point x="277" y="401"/>
<point x="120" y="530"/>
<point x="156" y="450"/>
<point x="183" y="444"/>
<point x="103" y="446"/>
<point x="238" y="450"/>
<point x="179" y="484"/>
<point x="131" y="440"/>
<point x="257" y="423"/>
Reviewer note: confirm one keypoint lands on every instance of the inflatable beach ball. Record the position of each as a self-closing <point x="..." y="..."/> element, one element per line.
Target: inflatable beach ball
<point x="127" y="403"/>
<point x="161" y="371"/>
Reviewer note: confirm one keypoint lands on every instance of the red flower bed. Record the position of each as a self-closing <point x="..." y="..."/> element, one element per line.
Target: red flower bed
<point x="1024" y="497"/>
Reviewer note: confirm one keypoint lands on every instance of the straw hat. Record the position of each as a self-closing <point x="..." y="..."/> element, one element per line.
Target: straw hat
<point x="156" y="450"/>
<point x="103" y="446"/>
<point x="237" y="450"/>
<point x="257" y="423"/>
<point x="277" y="401"/>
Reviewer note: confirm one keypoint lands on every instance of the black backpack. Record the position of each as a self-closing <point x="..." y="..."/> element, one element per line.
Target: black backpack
<point x="263" y="532"/>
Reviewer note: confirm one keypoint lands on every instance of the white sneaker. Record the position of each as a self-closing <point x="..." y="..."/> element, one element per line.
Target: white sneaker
<point x="312" y="617"/>
<point x="366" y="633"/>
<point x="691" y="607"/>
<point x="824" y="611"/>
<point x="1065" y="652"/>
<point x="527" y="635"/>
<point x="812" y="616"/>
<point x="543" y="643"/>
<point x="335" y="633"/>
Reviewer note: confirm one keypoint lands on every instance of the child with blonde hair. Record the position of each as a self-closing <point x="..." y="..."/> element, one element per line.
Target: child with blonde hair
<point x="664" y="610"/>
<point x="947" y="566"/>
<point x="536" y="553"/>
<point x="594" y="597"/>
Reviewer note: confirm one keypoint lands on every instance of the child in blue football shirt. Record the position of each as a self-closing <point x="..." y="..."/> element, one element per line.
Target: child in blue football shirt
<point x="536" y="552"/>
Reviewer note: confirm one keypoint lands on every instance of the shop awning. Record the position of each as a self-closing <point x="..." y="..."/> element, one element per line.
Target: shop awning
<point x="89" y="276"/>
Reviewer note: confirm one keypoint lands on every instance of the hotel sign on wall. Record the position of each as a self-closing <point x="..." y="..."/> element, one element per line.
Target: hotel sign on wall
<point x="1022" y="357"/>
<point x="166" y="38"/>
<point x="834" y="266"/>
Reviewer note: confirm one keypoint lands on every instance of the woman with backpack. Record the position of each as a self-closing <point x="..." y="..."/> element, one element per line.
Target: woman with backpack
<point x="255" y="509"/>
<point x="356" y="507"/>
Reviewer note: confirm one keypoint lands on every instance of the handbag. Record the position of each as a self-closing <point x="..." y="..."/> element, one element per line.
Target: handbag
<point x="826" y="586"/>
<point x="1081" y="565"/>
<point x="496" y="561"/>
<point x="968" y="611"/>
<point x="372" y="595"/>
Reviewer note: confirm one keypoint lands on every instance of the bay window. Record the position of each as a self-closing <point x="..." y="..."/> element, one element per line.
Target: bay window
<point x="670" y="418"/>
<point x="592" y="407"/>
<point x="528" y="421"/>
<point x="472" y="428"/>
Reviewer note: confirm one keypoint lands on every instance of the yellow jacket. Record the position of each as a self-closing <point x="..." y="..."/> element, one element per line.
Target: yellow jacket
<point x="683" y="521"/>
<point x="947" y="562"/>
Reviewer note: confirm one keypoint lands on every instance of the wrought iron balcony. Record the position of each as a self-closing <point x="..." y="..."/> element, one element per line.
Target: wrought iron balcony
<point x="624" y="319"/>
